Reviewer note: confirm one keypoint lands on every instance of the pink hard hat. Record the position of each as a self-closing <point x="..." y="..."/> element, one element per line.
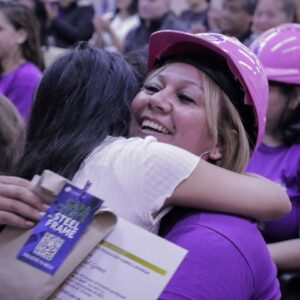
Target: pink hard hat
<point x="229" y="63"/>
<point x="279" y="51"/>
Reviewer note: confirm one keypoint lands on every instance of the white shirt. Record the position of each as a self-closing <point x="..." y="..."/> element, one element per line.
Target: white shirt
<point x="135" y="176"/>
<point x="121" y="27"/>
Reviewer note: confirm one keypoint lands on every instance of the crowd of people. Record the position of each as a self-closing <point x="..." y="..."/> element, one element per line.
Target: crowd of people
<point x="158" y="102"/>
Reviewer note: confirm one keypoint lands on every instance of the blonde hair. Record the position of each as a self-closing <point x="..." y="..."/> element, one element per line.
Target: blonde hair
<point x="224" y="123"/>
<point x="12" y="136"/>
<point x="226" y="128"/>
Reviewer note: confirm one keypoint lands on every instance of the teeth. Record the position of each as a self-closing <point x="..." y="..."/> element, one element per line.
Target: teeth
<point x="154" y="126"/>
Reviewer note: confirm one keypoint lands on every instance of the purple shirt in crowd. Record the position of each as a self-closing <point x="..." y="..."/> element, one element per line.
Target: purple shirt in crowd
<point x="227" y="259"/>
<point x="281" y="165"/>
<point x="19" y="86"/>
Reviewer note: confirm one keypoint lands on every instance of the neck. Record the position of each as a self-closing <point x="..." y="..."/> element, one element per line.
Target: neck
<point x="272" y="140"/>
<point x="11" y="63"/>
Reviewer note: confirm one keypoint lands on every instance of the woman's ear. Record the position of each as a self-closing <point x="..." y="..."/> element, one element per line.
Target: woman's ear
<point x="21" y="36"/>
<point x="216" y="153"/>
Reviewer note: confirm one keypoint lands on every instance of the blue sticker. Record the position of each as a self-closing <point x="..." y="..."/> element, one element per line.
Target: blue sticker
<point x="59" y="230"/>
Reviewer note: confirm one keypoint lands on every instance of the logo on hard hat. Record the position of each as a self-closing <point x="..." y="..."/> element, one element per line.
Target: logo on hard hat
<point x="212" y="37"/>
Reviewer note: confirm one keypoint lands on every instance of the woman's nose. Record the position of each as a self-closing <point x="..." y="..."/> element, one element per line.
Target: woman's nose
<point x="160" y="102"/>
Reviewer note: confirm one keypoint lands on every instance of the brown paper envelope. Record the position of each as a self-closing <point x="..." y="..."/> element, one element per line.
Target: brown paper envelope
<point x="21" y="281"/>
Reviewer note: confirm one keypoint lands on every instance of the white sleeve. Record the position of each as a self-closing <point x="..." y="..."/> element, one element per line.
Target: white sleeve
<point x="135" y="176"/>
<point x="163" y="167"/>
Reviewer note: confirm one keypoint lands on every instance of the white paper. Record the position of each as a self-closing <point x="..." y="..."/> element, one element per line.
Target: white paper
<point x="130" y="264"/>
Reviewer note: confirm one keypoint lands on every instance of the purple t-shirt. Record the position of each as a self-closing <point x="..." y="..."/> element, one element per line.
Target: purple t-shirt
<point x="227" y="259"/>
<point x="281" y="165"/>
<point x="19" y="86"/>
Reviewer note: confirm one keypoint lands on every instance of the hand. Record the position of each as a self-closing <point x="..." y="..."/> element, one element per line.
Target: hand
<point x="19" y="205"/>
<point x="101" y="24"/>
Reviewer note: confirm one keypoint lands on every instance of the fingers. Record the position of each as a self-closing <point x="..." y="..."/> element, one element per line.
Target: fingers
<point x="21" y="191"/>
<point x="11" y="219"/>
<point x="19" y="205"/>
<point x="19" y="208"/>
<point x="15" y="181"/>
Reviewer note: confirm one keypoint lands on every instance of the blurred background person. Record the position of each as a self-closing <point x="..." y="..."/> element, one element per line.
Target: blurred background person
<point x="270" y="13"/>
<point x="111" y="29"/>
<point x="236" y="19"/>
<point x="67" y="22"/>
<point x="196" y="15"/>
<point x="214" y="15"/>
<point x="297" y="3"/>
<point x="278" y="157"/>
<point x="37" y="6"/>
<point x="21" y="59"/>
<point x="12" y="136"/>
<point x="154" y="15"/>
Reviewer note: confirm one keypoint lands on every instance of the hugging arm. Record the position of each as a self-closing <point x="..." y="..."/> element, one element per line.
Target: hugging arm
<point x="207" y="187"/>
<point x="216" y="189"/>
<point x="286" y="254"/>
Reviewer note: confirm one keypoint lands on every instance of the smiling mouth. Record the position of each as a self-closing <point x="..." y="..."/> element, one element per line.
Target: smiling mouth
<point x="152" y="126"/>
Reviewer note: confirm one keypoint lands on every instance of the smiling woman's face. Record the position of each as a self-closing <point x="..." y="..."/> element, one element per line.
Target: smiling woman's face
<point x="171" y="107"/>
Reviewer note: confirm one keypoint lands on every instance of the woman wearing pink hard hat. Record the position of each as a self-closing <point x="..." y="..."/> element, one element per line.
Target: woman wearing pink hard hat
<point x="278" y="157"/>
<point x="78" y="135"/>
<point x="224" y="81"/>
<point x="152" y="174"/>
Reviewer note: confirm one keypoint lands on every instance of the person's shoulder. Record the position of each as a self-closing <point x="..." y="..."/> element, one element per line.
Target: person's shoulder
<point x="232" y="228"/>
<point x="229" y="226"/>
<point x="295" y="149"/>
<point x="213" y="261"/>
<point x="30" y="69"/>
<point x="225" y="221"/>
<point x="238" y="238"/>
<point x="28" y="73"/>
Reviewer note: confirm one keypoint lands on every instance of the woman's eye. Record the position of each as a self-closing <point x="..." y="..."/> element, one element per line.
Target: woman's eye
<point x="151" y="89"/>
<point x="186" y="99"/>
